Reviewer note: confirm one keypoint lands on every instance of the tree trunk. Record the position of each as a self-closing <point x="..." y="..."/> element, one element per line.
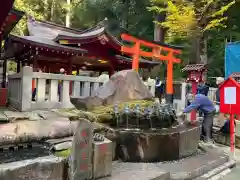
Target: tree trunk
<point x="68" y="14"/>
<point x="52" y="10"/>
<point x="46" y="14"/>
<point x="196" y="51"/>
<point x="159" y="31"/>
<point x="159" y="36"/>
<point x="124" y="22"/>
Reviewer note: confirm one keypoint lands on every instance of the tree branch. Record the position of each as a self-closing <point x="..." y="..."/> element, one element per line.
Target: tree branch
<point x="205" y="10"/>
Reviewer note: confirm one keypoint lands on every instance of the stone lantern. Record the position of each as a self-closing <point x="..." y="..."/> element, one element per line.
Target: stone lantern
<point x="196" y="75"/>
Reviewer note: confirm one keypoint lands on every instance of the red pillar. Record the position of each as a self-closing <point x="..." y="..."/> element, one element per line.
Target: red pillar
<point x="194" y="92"/>
<point x="232" y="133"/>
<point x="35" y="69"/>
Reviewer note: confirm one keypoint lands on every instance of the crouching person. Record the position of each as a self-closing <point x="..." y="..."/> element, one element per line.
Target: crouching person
<point x="205" y="105"/>
<point x="225" y="129"/>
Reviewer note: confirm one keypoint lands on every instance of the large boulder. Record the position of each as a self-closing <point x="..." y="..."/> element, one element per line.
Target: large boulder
<point x="123" y="86"/>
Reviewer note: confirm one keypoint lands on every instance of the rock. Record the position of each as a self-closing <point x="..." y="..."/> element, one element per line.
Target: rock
<point x="80" y="161"/>
<point x="15" y="116"/>
<point x="123" y="86"/>
<point x="25" y="131"/>
<point x="87" y="103"/>
<point x="57" y="128"/>
<point x="71" y="115"/>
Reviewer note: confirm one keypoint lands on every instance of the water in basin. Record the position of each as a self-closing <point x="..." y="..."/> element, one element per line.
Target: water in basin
<point x="19" y="153"/>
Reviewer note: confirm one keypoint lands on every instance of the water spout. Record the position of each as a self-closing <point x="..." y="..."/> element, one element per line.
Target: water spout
<point x="116" y="114"/>
<point x="137" y="110"/>
<point x="126" y="112"/>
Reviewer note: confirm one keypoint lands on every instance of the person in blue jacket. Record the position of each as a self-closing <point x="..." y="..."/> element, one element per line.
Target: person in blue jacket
<point x="202" y="89"/>
<point x="206" y="106"/>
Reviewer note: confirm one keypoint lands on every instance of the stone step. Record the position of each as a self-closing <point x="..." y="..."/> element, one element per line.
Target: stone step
<point x="140" y="171"/>
<point x="217" y="171"/>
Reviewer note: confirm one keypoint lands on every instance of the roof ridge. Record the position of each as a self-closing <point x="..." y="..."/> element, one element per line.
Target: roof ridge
<point x="97" y="26"/>
<point x="52" y="24"/>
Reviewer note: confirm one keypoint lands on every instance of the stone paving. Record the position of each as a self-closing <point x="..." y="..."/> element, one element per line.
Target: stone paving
<point x="234" y="174"/>
<point x="11" y="116"/>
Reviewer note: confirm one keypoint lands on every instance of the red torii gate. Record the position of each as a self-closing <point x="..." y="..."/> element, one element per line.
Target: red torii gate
<point x="136" y="52"/>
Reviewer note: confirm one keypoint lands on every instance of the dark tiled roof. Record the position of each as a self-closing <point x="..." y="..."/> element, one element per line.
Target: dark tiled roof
<point x="85" y="35"/>
<point x="141" y="60"/>
<point x="194" y="67"/>
<point x="45" y="43"/>
<point x="235" y="75"/>
<point x="95" y="32"/>
<point x="47" y="30"/>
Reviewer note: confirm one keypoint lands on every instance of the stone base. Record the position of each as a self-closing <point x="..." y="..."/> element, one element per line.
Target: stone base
<point x="225" y="139"/>
<point x="102" y="158"/>
<point x="44" y="168"/>
<point x="160" y="145"/>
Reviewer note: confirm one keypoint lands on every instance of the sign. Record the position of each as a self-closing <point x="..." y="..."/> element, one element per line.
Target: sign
<point x="82" y="151"/>
<point x="230" y="95"/>
<point x="230" y="104"/>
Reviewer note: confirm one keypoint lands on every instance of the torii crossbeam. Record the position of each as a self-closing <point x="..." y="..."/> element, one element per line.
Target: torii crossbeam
<point x="156" y="53"/>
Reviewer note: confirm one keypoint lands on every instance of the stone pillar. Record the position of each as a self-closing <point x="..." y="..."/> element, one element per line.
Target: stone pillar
<point x="26" y="88"/>
<point x="81" y="156"/>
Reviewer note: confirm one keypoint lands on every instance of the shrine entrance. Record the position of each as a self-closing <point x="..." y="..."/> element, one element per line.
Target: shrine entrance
<point x="161" y="52"/>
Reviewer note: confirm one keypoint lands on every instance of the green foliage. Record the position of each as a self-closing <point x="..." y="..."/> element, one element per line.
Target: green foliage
<point x="130" y="15"/>
<point x="189" y="19"/>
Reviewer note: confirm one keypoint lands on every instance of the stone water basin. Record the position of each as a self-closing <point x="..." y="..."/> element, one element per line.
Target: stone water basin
<point x="154" y="145"/>
<point x="30" y="161"/>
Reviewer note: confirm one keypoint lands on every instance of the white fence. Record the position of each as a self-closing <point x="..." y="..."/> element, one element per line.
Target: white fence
<point x="20" y="89"/>
<point x="48" y="95"/>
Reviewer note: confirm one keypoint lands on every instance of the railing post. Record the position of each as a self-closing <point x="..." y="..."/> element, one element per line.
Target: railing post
<point x="95" y="87"/>
<point x="26" y="88"/>
<point x="86" y="89"/>
<point x="76" y="88"/>
<point x="65" y="91"/>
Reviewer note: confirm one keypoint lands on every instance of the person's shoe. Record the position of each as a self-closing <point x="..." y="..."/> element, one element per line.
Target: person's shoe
<point x="209" y="143"/>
